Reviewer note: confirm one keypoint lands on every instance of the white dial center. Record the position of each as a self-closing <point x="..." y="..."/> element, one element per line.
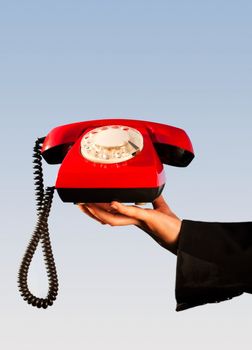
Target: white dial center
<point x="111" y="144"/>
<point x="110" y="138"/>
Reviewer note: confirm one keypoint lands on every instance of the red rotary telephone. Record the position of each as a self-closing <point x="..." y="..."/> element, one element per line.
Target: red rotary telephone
<point x="102" y="160"/>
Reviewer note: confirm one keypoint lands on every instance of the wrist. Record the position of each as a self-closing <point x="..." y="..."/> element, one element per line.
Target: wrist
<point x="175" y="227"/>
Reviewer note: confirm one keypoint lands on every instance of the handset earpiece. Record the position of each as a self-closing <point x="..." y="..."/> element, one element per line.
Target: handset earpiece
<point x="172" y="144"/>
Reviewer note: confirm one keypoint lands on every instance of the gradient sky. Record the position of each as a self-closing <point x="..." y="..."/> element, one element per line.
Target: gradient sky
<point x="184" y="63"/>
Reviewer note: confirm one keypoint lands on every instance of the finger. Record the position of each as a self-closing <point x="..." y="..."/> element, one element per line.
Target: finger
<point x="160" y="205"/>
<point x="159" y="202"/>
<point x="113" y="219"/>
<point x="130" y="210"/>
<point x="85" y="210"/>
<point x="104" y="206"/>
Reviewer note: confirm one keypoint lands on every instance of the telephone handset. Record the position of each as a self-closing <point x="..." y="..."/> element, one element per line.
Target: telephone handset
<point x="102" y="160"/>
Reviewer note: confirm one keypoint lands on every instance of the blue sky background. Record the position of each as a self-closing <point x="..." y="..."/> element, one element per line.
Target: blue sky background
<point x="184" y="63"/>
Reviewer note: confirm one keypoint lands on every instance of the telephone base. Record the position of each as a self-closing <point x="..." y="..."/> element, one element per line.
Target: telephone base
<point x="105" y="195"/>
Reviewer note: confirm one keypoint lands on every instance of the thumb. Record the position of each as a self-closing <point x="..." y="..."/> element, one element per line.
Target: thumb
<point x="129" y="210"/>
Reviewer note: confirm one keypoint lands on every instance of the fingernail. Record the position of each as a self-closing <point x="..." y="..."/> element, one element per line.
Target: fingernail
<point x="114" y="206"/>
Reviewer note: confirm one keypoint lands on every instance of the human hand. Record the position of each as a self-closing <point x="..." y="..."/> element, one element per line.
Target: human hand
<point x="160" y="222"/>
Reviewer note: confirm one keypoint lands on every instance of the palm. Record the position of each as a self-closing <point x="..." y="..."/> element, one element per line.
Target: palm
<point x="160" y="222"/>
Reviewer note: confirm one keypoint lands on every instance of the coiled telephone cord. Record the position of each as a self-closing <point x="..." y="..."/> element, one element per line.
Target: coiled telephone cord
<point x="44" y="199"/>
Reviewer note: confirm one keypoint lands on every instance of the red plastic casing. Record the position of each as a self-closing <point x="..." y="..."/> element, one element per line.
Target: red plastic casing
<point x="162" y="144"/>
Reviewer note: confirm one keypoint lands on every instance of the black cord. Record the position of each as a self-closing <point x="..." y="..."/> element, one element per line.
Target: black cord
<point x="44" y="199"/>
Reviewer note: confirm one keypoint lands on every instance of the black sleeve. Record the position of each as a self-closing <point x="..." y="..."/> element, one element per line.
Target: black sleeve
<point x="214" y="262"/>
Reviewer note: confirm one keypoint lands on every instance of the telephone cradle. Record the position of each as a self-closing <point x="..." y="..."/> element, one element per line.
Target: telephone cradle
<point x="101" y="161"/>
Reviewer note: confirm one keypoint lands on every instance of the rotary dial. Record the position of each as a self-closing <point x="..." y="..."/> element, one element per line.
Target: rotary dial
<point x="111" y="144"/>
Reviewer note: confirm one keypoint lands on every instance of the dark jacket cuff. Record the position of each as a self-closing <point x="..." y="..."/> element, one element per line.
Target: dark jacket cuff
<point x="214" y="262"/>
